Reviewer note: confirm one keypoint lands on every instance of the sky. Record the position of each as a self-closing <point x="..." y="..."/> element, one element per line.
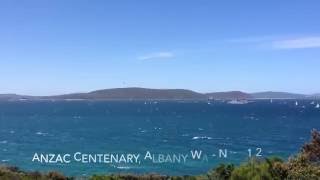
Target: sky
<point x="52" y="47"/>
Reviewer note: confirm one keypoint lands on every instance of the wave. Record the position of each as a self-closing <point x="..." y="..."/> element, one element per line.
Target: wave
<point x="41" y="133"/>
<point x="3" y="142"/>
<point x="201" y="137"/>
<point x="123" y="167"/>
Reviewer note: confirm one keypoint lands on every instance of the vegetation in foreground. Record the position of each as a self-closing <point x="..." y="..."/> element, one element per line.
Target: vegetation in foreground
<point x="304" y="166"/>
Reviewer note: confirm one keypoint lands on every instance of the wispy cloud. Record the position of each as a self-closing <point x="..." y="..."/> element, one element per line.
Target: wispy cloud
<point x="157" y="55"/>
<point x="280" y="42"/>
<point x="258" y="39"/>
<point x="297" y="43"/>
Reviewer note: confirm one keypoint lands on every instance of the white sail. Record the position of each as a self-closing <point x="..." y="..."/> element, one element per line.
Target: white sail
<point x="318" y="105"/>
<point x="297" y="103"/>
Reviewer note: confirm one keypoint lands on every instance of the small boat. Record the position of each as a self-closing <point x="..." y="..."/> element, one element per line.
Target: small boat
<point x="297" y="103"/>
<point x="271" y="100"/>
<point x="312" y="102"/>
<point x="318" y="106"/>
<point x="238" y="102"/>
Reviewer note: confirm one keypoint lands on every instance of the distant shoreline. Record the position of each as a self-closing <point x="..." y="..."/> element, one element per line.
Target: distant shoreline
<point x="160" y="94"/>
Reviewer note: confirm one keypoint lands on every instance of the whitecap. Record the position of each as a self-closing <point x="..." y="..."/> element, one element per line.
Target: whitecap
<point x="41" y="133"/>
<point x="201" y="137"/>
<point x="3" y="142"/>
<point x="123" y="167"/>
<point x="251" y="117"/>
<point x="225" y="144"/>
<point x="5" y="160"/>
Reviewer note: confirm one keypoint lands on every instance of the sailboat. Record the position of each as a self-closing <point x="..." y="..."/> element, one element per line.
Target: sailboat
<point x="318" y="106"/>
<point x="297" y="103"/>
<point x="271" y="100"/>
<point x="312" y="102"/>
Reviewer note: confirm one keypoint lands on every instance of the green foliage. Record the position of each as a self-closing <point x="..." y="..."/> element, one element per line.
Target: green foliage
<point x="301" y="168"/>
<point x="126" y="177"/>
<point x="254" y="169"/>
<point x="14" y="173"/>
<point x="222" y="172"/>
<point x="143" y="177"/>
<point x="311" y="150"/>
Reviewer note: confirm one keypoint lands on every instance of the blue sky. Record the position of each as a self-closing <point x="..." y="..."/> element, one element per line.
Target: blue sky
<point x="52" y="47"/>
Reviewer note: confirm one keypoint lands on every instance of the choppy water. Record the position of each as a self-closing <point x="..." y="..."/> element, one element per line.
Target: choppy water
<point x="279" y="128"/>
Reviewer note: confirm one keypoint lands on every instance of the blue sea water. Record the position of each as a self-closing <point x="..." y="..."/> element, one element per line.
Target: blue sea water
<point x="27" y="127"/>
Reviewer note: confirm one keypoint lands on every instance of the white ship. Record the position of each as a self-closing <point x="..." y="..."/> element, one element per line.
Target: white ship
<point x="238" y="102"/>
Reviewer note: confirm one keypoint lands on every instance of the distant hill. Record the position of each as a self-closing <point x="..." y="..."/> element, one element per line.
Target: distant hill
<point x="136" y="93"/>
<point x="315" y="96"/>
<point x="277" y="95"/>
<point x="14" y="97"/>
<point x="5" y="96"/>
<point x="229" y="95"/>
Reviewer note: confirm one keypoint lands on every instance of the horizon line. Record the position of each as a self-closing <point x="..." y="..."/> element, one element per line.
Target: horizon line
<point x="89" y="91"/>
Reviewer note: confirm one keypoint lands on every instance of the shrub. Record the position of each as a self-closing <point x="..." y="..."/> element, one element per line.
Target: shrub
<point x="222" y="172"/>
<point x="253" y="170"/>
<point x="311" y="150"/>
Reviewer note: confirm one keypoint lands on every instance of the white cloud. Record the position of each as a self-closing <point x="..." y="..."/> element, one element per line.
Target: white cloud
<point x="278" y="42"/>
<point x="250" y="39"/>
<point x="158" y="55"/>
<point x="304" y="42"/>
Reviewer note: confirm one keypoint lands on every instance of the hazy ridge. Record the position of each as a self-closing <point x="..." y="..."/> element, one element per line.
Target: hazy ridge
<point x="136" y="93"/>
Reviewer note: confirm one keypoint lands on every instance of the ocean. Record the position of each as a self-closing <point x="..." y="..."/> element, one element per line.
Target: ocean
<point x="222" y="132"/>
